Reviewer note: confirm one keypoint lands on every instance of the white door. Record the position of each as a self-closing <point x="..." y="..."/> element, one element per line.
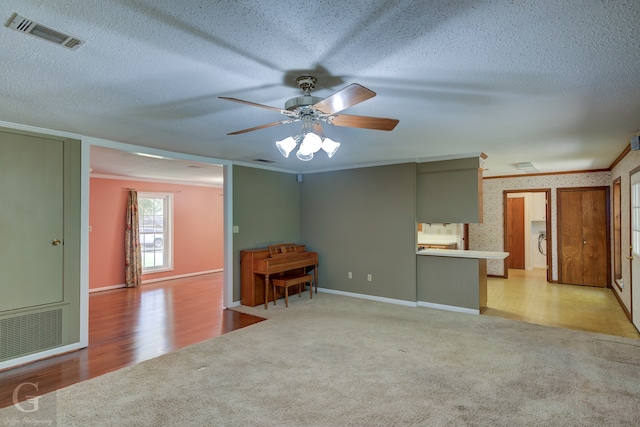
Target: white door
<point x="31" y="221"/>
<point x="635" y="247"/>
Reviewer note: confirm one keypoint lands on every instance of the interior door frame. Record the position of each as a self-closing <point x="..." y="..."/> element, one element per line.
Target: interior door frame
<point x="616" y="238"/>
<point x="631" y="314"/>
<point x="505" y="218"/>
<point x="227" y="190"/>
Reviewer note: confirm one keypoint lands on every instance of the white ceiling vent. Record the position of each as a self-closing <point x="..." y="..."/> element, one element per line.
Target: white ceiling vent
<point x="29" y="26"/>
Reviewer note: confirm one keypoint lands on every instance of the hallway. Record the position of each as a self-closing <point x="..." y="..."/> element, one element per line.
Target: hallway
<point x="527" y="296"/>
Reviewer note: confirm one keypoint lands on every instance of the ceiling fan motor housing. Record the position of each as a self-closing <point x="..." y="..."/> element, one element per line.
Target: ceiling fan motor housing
<point x="301" y="101"/>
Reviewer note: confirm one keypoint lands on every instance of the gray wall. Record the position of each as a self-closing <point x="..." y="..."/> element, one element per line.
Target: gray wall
<point x="450" y="281"/>
<point x="363" y="221"/>
<point x="266" y="207"/>
<point x="448" y="191"/>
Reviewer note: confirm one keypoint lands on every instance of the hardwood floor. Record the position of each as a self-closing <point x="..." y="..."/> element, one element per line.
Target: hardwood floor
<point x="127" y="326"/>
<point x="527" y="296"/>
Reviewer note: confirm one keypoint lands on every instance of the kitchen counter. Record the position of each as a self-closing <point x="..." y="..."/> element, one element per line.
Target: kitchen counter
<point x="459" y="253"/>
<point x="437" y="242"/>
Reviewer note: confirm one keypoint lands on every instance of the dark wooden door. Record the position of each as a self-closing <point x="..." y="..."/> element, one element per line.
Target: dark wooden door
<point x="583" y="236"/>
<point x="515" y="232"/>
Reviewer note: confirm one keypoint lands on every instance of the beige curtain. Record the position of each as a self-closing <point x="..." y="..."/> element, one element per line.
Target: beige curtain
<point x="133" y="260"/>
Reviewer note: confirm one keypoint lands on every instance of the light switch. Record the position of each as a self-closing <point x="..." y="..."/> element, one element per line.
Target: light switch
<point x="236" y="229"/>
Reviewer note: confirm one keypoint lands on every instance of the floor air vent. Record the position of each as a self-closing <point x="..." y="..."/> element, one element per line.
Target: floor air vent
<point x="30" y="333"/>
<point x="29" y="26"/>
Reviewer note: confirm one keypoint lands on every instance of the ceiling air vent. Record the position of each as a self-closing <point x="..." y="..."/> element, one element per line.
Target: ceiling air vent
<point x="29" y="26"/>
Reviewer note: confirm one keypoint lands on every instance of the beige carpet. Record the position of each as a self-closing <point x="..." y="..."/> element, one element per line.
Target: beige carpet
<point x="340" y="361"/>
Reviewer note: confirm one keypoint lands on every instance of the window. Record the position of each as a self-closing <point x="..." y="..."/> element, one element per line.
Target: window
<point x="154" y="222"/>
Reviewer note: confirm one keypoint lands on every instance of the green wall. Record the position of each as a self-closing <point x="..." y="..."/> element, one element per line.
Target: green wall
<point x="47" y="299"/>
<point x="266" y="208"/>
<point x="363" y="221"/>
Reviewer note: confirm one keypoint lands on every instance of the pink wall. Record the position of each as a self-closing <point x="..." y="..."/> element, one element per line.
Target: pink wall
<point x="197" y="229"/>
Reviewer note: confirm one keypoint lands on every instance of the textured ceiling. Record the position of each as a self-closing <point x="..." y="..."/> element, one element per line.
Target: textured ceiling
<point x="555" y="83"/>
<point x="107" y="162"/>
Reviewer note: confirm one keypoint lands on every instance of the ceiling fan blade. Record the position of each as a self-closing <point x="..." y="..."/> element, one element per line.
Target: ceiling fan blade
<point x="267" y="107"/>
<point x="344" y="98"/>
<point x="268" y="125"/>
<point x="364" y="122"/>
<point x="317" y="129"/>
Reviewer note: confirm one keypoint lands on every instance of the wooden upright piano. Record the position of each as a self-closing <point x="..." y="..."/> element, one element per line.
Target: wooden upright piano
<point x="258" y="265"/>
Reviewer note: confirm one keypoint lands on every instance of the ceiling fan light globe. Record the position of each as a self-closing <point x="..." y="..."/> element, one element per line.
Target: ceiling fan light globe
<point x="286" y="146"/>
<point x="304" y="150"/>
<point x="330" y="146"/>
<point x="311" y="143"/>
<point x="305" y="157"/>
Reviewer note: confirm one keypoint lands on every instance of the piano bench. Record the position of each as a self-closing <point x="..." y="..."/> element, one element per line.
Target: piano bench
<point x="288" y="281"/>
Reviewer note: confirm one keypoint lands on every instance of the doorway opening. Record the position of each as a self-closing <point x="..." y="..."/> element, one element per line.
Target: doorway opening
<point x="185" y="217"/>
<point x="527" y="225"/>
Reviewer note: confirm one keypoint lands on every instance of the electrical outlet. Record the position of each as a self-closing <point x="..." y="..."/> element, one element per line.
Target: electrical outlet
<point x="349" y="275"/>
<point x="368" y="277"/>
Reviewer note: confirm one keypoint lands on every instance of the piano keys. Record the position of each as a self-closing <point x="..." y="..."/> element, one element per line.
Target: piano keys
<point x="258" y="265"/>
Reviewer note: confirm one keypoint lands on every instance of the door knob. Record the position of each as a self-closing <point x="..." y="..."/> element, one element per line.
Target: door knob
<point x="55" y="242"/>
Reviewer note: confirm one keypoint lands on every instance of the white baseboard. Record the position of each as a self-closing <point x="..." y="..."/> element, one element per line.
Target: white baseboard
<point x="41" y="355"/>
<point x="107" y="288"/>
<point x="161" y="279"/>
<point x="369" y="297"/>
<point x="393" y="301"/>
<point x="448" y="307"/>
<point x="181" y="276"/>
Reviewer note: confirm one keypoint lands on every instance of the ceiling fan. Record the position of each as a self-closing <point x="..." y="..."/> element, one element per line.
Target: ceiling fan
<point x="312" y="111"/>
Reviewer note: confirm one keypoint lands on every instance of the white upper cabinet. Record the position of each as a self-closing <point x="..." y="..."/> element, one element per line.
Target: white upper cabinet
<point x="539" y="207"/>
